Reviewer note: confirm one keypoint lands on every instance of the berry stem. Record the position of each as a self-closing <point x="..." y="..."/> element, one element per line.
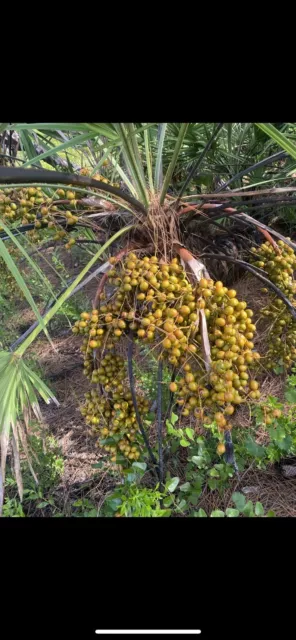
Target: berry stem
<point x="134" y="399"/>
<point x="159" y="423"/>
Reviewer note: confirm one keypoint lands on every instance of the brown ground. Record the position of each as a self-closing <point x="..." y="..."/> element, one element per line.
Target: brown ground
<point x="268" y="487"/>
<point x="63" y="374"/>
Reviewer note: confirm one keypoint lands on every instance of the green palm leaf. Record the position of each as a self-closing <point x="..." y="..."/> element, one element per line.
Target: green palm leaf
<point x="278" y="137"/>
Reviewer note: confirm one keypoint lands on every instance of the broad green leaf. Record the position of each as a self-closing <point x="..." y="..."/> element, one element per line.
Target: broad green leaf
<point x="270" y="514"/>
<point x="198" y="460"/>
<point x="190" y="433"/>
<point x="170" y="429"/>
<point x="214" y="473"/>
<point x="239" y="500"/>
<point x="185" y="487"/>
<point x="172" y="484"/>
<point x="201" y="514"/>
<point x="232" y="513"/>
<point x="259" y="510"/>
<point x="248" y="509"/>
<point x="162" y="513"/>
<point x="290" y="396"/>
<point x="169" y="500"/>
<point x="114" y="503"/>
<point x="140" y="465"/>
<point x="174" y="418"/>
<point x="174" y="446"/>
<point x="184" y="443"/>
<point x="131" y="477"/>
<point x="278" y="369"/>
<point x="217" y="514"/>
<point x="255" y="449"/>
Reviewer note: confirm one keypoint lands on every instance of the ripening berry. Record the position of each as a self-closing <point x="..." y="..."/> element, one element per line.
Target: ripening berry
<point x="221" y="448"/>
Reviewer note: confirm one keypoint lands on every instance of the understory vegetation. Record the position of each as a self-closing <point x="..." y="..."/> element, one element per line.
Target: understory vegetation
<point x="148" y="320"/>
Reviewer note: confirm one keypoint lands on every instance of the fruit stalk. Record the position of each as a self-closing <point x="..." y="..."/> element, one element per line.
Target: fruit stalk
<point x="134" y="399"/>
<point x="159" y="423"/>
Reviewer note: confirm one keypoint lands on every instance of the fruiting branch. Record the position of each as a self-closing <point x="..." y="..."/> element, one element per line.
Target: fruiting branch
<point x="256" y="273"/>
<point x="134" y="399"/>
<point x="115" y="259"/>
<point x="15" y="175"/>
<point x="240" y="216"/>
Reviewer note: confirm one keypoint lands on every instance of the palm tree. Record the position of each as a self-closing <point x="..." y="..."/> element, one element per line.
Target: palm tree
<point x="145" y="158"/>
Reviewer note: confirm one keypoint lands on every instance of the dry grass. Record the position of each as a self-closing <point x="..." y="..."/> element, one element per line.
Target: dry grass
<point x="266" y="486"/>
<point x="63" y="370"/>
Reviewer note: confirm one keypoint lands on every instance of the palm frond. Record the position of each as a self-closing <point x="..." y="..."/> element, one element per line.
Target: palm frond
<point x="158" y="165"/>
<point x="279" y="138"/>
<point x="66" y="294"/>
<point x="148" y="160"/>
<point x="31" y="153"/>
<point x="19" y="388"/>
<point x="133" y="162"/>
<point x="173" y="162"/>
<point x="11" y="265"/>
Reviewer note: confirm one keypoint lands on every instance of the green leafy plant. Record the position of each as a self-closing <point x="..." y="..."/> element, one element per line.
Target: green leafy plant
<point x="130" y="500"/>
<point x="84" y="508"/>
<point x="38" y="491"/>
<point x="243" y="508"/>
<point x="201" y="470"/>
<point x="277" y="419"/>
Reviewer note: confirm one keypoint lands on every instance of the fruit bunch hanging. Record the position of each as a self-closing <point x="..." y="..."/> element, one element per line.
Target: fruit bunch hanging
<point x="229" y="381"/>
<point x="33" y="206"/>
<point x="280" y="266"/>
<point x="113" y="416"/>
<point x="98" y="176"/>
<point x="156" y="303"/>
